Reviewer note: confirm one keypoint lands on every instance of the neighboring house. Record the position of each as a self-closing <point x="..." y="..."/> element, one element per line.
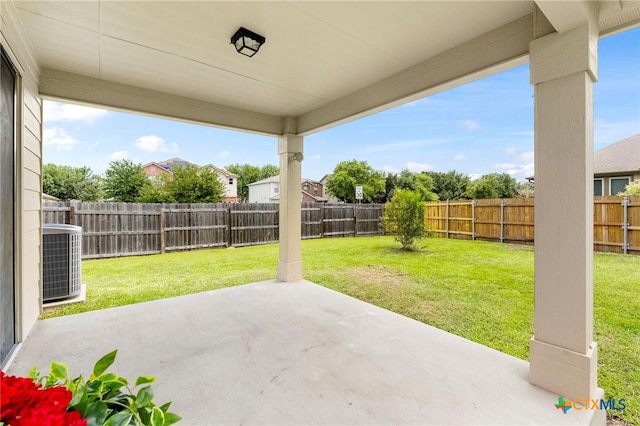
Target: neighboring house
<point x="265" y="190"/>
<point x="330" y="198"/>
<point x="230" y="182"/>
<point x="155" y="171"/>
<point x="616" y="166"/>
<point x="268" y="191"/>
<point x="173" y="162"/>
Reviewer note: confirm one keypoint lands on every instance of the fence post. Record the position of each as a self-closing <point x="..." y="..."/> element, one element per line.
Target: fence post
<point x="473" y="219"/>
<point x="322" y="220"/>
<point x="501" y="220"/>
<point x="447" y="220"/>
<point x="229" y="242"/>
<point x="162" y="225"/>
<point x="72" y="215"/>
<point x="355" y="220"/>
<point x="625" y="225"/>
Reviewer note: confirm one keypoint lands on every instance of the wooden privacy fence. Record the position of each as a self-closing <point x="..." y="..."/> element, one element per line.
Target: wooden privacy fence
<point x="127" y="229"/>
<point x="616" y="221"/>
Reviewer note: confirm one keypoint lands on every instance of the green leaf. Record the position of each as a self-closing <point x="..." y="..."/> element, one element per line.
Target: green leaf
<point x="97" y="414"/>
<point x="165" y="407"/>
<point x="144" y="415"/>
<point x="157" y="417"/>
<point x="144" y="397"/>
<point x="94" y="388"/>
<point x="121" y="419"/>
<point x="59" y="370"/>
<point x="171" y="418"/>
<point x="107" y="377"/>
<point x="144" y="380"/>
<point x="104" y="363"/>
<point x="34" y="374"/>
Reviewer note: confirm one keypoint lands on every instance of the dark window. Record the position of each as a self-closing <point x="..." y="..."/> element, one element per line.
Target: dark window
<point x="617" y="185"/>
<point x="597" y="187"/>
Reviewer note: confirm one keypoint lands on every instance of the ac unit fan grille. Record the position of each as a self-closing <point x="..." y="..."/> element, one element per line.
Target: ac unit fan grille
<point x="61" y="267"/>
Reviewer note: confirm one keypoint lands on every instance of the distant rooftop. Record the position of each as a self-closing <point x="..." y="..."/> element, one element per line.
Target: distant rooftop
<point x="172" y="162"/>
<point x="620" y="157"/>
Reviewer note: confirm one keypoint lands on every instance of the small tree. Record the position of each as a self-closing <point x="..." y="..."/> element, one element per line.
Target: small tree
<point x="125" y="180"/>
<point x="349" y="174"/>
<point x="71" y="183"/>
<point x="404" y="217"/>
<point x="632" y="189"/>
<point x="192" y="184"/>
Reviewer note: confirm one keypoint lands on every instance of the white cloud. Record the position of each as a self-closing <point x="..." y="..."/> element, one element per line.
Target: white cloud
<point x="526" y="156"/>
<point x="56" y="111"/>
<point x="510" y="151"/>
<point x="152" y="143"/>
<point x="390" y="169"/>
<point x="521" y="171"/>
<point x="223" y="154"/>
<point x="59" y="138"/>
<point x="470" y="124"/>
<point x="418" y="167"/>
<point x="118" y="155"/>
<point x="460" y="157"/>
<point x="316" y="157"/>
<point x="474" y="176"/>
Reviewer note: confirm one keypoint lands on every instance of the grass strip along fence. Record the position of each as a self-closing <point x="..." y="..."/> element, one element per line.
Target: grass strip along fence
<point x="128" y="229"/>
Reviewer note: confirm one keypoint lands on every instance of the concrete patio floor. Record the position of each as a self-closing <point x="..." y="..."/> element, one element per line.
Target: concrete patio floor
<point x="296" y="353"/>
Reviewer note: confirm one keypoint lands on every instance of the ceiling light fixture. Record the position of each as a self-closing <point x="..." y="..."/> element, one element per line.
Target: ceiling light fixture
<point x="247" y="42"/>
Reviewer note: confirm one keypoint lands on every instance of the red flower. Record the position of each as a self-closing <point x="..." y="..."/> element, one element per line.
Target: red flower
<point x="23" y="403"/>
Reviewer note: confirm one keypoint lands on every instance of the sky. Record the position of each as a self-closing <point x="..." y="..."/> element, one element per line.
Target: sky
<point x="482" y="127"/>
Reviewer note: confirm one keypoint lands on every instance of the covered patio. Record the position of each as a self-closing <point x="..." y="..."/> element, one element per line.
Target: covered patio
<point x="297" y="353"/>
<point x="288" y="351"/>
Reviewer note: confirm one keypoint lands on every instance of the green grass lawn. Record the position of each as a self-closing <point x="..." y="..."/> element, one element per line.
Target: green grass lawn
<point x="480" y="291"/>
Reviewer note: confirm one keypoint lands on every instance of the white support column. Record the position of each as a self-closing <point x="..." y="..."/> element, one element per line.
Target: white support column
<point x="563" y="355"/>
<point x="290" y="149"/>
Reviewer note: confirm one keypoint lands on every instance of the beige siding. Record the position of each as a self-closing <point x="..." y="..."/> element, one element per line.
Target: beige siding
<point x="29" y="171"/>
<point x="32" y="142"/>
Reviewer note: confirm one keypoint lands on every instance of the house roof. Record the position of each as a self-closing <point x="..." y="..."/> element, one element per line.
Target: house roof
<point x="620" y="157"/>
<point x="153" y="163"/>
<point x="272" y="179"/>
<point x="222" y="170"/>
<point x="176" y="161"/>
<point x="323" y="63"/>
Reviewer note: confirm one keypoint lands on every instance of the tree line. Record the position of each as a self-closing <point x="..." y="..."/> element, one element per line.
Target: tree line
<point x="380" y="187"/>
<point x="126" y="181"/>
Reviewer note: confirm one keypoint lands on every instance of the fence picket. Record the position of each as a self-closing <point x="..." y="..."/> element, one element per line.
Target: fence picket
<point x="512" y="220"/>
<point x="129" y="229"/>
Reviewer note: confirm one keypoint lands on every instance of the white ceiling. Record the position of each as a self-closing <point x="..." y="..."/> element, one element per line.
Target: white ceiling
<point x="316" y="53"/>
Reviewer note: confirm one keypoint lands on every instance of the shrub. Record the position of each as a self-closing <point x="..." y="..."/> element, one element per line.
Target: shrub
<point x="404" y="217"/>
<point x="632" y="189"/>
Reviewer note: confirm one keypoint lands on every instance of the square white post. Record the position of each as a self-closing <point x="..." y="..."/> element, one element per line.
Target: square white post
<point x="290" y="149"/>
<point x="563" y="357"/>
